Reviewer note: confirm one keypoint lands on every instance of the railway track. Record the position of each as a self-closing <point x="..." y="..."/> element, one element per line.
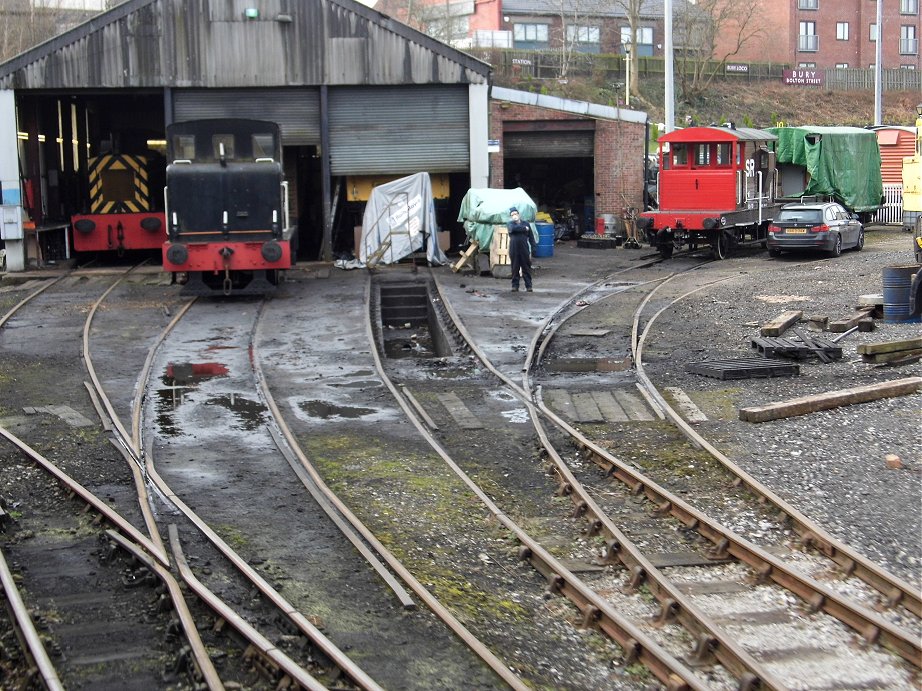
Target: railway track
<point x="503" y="502"/>
<point x="871" y="626"/>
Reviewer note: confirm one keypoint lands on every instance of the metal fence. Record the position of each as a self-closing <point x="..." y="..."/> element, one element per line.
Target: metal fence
<point x="549" y="64"/>
<point x="892" y="210"/>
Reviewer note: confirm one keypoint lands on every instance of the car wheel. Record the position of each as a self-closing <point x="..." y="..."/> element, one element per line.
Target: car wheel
<point x="837" y="247"/>
<point x="859" y="245"/>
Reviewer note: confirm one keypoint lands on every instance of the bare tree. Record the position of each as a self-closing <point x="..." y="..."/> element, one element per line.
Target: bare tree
<point x="26" y="23"/>
<point x="632" y="10"/>
<point x="711" y="32"/>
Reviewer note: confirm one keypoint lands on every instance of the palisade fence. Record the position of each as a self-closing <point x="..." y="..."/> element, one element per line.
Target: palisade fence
<point x="527" y="65"/>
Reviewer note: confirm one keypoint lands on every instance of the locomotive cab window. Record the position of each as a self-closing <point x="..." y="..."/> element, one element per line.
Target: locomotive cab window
<point x="263" y="146"/>
<point x="722" y="156"/>
<point x="184" y="147"/>
<point x="702" y="155"/>
<point x="227" y="140"/>
<point x="679" y="155"/>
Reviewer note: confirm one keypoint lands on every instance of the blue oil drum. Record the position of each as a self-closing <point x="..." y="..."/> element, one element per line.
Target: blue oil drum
<point x="545" y="246"/>
<point x="897" y="281"/>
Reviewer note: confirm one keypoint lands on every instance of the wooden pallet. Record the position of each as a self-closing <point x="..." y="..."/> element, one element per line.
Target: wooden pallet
<point x="796" y="348"/>
<point x="743" y="368"/>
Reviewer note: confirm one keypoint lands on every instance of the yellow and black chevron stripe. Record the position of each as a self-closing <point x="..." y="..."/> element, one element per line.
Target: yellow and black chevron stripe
<point x="118" y="184"/>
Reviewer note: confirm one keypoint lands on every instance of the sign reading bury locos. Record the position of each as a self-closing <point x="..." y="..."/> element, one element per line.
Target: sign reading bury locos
<point x="804" y="77"/>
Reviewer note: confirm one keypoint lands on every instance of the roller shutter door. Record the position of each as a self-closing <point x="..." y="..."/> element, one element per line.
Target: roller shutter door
<point x="399" y="130"/>
<point x="554" y="144"/>
<point x="297" y="111"/>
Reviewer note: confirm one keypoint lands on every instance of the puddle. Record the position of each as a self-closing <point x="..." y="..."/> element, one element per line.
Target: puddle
<point x="251" y="414"/>
<point x="325" y="411"/>
<point x="417" y="345"/>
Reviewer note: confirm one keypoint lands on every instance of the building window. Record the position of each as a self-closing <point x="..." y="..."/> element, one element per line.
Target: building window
<point x="807" y="4"/>
<point x="841" y="31"/>
<point x="909" y="6"/>
<point x="583" y="34"/>
<point x="808" y="41"/>
<point x="872" y="34"/>
<point x="529" y="34"/>
<point x="909" y="45"/>
<point x="644" y="40"/>
<point x="907" y="67"/>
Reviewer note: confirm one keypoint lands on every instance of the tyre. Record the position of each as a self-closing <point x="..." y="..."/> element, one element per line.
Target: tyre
<point x="837" y="247"/>
<point x="859" y="245"/>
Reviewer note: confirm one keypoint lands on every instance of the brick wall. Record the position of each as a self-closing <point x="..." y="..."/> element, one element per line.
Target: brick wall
<point x="619" y="152"/>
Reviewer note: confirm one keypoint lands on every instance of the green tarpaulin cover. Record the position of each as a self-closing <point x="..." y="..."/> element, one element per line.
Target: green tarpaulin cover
<point x="842" y="162"/>
<point x="484" y="207"/>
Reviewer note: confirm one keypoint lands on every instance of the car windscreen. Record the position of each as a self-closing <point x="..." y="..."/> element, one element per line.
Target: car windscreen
<point x="800" y="216"/>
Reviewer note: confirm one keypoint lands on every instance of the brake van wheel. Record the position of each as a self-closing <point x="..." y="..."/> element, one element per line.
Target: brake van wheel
<point x="720" y="245"/>
<point x="665" y="251"/>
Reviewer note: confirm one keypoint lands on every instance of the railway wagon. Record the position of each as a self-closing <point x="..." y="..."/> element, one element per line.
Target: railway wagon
<point x="124" y="211"/>
<point x="716" y="186"/>
<point x="228" y="229"/>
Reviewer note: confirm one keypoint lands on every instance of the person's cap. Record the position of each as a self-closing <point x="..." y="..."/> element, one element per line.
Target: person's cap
<point x="513" y="210"/>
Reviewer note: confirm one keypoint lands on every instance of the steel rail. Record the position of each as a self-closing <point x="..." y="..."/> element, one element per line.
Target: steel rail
<point x="203" y="661"/>
<point x="119" y="429"/>
<point x="895" y="590"/>
<point x="302" y="623"/>
<point x="263" y="645"/>
<point x="596" y="611"/>
<point x="31" y="641"/>
<point x="116" y="519"/>
<point x="348" y="523"/>
<point x="818" y="596"/>
<point x="674" y="604"/>
<point x="15" y="308"/>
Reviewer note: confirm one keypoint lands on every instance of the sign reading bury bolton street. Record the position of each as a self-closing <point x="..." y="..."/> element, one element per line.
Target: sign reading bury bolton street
<point x="804" y="77"/>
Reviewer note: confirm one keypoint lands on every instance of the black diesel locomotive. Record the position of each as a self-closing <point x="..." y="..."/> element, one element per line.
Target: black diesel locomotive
<point x="228" y="228"/>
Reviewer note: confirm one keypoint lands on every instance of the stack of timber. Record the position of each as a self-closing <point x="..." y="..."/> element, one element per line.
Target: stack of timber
<point x="892" y="353"/>
<point x="466" y="256"/>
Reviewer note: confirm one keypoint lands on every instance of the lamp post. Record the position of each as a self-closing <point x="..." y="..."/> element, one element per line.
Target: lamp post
<point x="627" y="73"/>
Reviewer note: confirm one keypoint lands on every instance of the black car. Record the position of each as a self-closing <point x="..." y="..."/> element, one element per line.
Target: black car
<point x="824" y="226"/>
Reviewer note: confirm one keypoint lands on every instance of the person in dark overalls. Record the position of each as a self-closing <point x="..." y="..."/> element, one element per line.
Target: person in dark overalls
<point x="521" y="242"/>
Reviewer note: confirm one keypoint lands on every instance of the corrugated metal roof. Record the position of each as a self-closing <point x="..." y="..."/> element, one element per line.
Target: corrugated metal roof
<point x="590" y="110"/>
<point x="194" y="43"/>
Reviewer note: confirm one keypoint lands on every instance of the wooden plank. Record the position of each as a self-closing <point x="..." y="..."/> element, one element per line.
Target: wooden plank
<point x="609" y="407"/>
<point x="458" y="411"/>
<point x="889" y="346"/>
<point x="778" y="325"/>
<point x="815" y="345"/>
<point x="633" y="406"/>
<point x="559" y="399"/>
<point x="586" y="408"/>
<point x="690" y="411"/>
<point x="846" y="323"/>
<point x="896" y="356"/>
<point x="832" y="399"/>
<point x="465" y="257"/>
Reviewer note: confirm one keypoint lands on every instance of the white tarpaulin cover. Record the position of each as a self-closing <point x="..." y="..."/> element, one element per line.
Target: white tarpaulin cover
<point x="399" y="217"/>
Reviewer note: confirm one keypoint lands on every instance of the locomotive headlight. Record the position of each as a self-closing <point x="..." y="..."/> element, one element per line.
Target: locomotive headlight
<point x="177" y="254"/>
<point x="85" y="225"/>
<point x="271" y="251"/>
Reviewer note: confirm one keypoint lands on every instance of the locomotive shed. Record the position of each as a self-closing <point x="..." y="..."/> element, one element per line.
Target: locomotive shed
<point x="829" y="464"/>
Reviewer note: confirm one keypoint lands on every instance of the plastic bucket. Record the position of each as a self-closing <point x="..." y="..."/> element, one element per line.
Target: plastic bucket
<point x="545" y="246"/>
<point x="897" y="281"/>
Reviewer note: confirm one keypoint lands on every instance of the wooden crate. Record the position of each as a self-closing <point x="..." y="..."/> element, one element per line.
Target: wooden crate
<point x="499" y="247"/>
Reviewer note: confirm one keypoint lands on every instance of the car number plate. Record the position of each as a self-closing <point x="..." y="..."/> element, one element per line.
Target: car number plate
<point x="796" y="231"/>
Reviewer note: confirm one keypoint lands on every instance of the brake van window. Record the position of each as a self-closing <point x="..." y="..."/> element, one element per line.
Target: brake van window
<point x="183" y="147"/>
<point x="263" y="146"/>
